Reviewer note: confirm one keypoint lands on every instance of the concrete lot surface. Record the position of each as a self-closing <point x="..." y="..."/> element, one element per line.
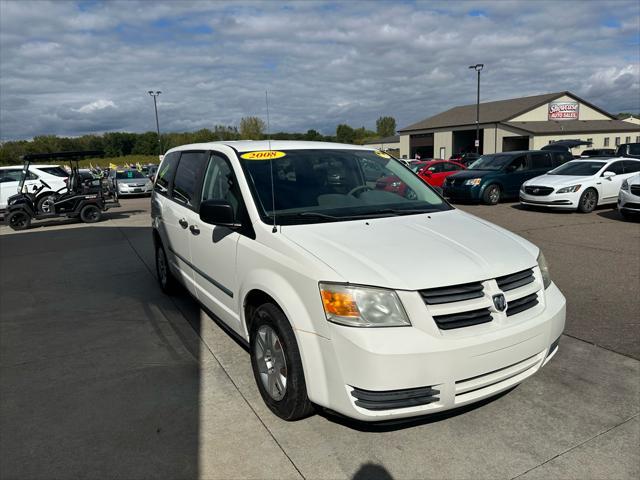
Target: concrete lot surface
<point x="102" y="376"/>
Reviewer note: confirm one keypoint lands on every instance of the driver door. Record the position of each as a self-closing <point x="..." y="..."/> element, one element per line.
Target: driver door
<point x="518" y="172"/>
<point x="610" y="186"/>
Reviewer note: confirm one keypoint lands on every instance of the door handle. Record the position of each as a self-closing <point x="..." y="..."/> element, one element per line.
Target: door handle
<point x="194" y="229"/>
<point x="183" y="223"/>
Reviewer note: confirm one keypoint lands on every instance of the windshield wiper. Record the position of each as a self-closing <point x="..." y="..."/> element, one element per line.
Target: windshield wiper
<point x="404" y="211"/>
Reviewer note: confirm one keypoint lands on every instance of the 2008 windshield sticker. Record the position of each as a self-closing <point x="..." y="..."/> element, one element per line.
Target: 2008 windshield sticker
<point x="382" y="154"/>
<point x="263" y="155"/>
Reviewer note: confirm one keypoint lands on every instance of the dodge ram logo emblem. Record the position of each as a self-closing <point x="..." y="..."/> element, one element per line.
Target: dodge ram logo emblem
<point x="500" y="302"/>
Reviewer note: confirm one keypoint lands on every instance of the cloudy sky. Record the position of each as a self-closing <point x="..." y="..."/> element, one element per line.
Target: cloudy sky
<point x="76" y="67"/>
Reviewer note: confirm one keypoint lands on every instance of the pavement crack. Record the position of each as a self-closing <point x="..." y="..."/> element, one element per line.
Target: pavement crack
<point x="578" y="445"/>
<point x="601" y="346"/>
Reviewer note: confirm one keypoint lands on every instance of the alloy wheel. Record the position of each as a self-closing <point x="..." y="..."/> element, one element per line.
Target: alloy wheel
<point x="589" y="200"/>
<point x="272" y="365"/>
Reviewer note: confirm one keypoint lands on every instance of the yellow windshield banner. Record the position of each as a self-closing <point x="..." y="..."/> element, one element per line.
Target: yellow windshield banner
<point x="382" y="154"/>
<point x="263" y="155"/>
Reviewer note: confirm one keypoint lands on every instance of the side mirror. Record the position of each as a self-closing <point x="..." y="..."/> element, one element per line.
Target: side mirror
<point x="218" y="212"/>
<point x="608" y="174"/>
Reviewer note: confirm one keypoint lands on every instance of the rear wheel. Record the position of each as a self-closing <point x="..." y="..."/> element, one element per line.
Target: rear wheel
<point x="276" y="364"/>
<point x="588" y="201"/>
<point x="18" y="220"/>
<point x="45" y="204"/>
<point x="167" y="281"/>
<point x="90" y="214"/>
<point x="491" y="195"/>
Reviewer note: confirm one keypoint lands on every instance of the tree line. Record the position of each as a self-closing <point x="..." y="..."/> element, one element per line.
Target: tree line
<point x="119" y="144"/>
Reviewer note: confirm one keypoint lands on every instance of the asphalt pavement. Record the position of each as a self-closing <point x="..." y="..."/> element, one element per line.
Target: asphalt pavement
<point x="101" y="375"/>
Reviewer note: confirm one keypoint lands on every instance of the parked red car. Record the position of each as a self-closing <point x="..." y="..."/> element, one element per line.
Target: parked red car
<point x="436" y="171"/>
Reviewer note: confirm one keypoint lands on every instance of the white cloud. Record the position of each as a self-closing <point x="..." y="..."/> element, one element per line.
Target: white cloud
<point x="97" y="105"/>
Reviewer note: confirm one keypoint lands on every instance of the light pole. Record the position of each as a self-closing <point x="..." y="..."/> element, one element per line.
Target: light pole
<point x="155" y="106"/>
<point x="478" y="67"/>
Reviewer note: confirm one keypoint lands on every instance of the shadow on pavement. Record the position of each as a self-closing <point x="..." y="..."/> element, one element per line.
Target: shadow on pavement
<point x="100" y="375"/>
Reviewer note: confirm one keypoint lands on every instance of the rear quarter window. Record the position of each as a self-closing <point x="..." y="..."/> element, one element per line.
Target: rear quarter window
<point x="56" y="171"/>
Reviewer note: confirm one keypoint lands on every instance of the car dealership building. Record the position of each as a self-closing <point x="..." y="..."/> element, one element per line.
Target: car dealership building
<point x="516" y="124"/>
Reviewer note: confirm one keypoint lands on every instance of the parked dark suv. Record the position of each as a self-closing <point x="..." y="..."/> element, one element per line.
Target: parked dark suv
<point x="629" y="150"/>
<point x="499" y="176"/>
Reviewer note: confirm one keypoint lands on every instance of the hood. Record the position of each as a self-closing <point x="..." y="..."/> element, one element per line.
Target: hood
<point x="557" y="180"/>
<point x="465" y="174"/>
<point x="413" y="252"/>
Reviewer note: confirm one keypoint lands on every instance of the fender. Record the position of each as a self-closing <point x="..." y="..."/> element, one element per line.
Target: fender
<point x="310" y="341"/>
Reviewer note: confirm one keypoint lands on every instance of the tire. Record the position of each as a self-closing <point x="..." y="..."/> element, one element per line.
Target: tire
<point x="588" y="201"/>
<point x="168" y="283"/>
<point x="274" y="350"/>
<point x="45" y="204"/>
<point x="90" y="213"/>
<point x="491" y="194"/>
<point x="18" y="220"/>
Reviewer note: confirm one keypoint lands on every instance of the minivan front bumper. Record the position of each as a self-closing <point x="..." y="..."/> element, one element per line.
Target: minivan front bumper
<point x="385" y="373"/>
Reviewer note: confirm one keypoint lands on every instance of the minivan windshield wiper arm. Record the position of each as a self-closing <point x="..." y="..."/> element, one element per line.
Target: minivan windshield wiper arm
<point x="404" y="211"/>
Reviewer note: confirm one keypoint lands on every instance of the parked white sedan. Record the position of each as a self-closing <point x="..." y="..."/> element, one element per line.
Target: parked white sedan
<point x="579" y="185"/>
<point x="629" y="197"/>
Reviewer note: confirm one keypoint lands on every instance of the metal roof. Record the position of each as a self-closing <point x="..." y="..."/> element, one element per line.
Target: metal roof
<point x="575" y="126"/>
<point x="492" y="112"/>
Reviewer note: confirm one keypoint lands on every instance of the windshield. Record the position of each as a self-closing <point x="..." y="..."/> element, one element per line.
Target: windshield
<point x="634" y="149"/>
<point x="129" y="174"/>
<point x="491" y="162"/>
<point x="331" y="185"/>
<point x="57" y="171"/>
<point x="578" y="168"/>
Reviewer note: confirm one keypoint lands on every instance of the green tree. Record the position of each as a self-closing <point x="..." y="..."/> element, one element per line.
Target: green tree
<point x="251" y="128"/>
<point x="313" y="136"/>
<point x="344" y="133"/>
<point x="386" y="126"/>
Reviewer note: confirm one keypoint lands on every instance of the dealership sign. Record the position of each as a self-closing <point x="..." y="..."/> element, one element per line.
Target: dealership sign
<point x="564" y="110"/>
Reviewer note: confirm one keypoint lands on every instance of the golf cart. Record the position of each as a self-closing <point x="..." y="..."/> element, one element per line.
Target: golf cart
<point x="81" y="198"/>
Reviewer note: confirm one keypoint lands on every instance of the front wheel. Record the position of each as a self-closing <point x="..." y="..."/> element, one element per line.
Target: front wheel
<point x="18" y="220"/>
<point x="90" y="214"/>
<point x="46" y="204"/>
<point x="491" y="195"/>
<point x="276" y="364"/>
<point x="588" y="201"/>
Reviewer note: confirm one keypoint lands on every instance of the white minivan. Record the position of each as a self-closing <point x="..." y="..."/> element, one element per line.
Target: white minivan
<point x="372" y="303"/>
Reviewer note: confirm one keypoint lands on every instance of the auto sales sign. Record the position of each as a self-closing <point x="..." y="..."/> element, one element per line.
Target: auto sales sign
<point x="564" y="110"/>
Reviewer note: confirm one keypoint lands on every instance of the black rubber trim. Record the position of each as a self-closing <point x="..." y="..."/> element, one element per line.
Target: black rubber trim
<point x="463" y="319"/>
<point x="203" y="275"/>
<point x="455" y="293"/>
<point x="392" y="399"/>
<point x="515" y="280"/>
<point x="522" y="304"/>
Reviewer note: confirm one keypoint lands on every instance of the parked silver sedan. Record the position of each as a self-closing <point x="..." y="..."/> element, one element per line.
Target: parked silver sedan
<point x="131" y="182"/>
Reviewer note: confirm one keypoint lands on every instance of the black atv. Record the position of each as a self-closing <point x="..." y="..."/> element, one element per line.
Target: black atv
<point x="82" y="198"/>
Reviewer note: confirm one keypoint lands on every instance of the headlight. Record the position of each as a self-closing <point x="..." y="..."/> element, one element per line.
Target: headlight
<point x="544" y="269"/>
<point x="472" y="181"/>
<point x="362" y="306"/>
<point x="571" y="189"/>
<point x="625" y="186"/>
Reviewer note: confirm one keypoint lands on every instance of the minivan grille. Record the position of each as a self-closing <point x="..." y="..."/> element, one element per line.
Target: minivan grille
<point x="522" y="304"/>
<point x="541" y="191"/>
<point x="463" y="319"/>
<point x="515" y="280"/>
<point x="455" y="293"/>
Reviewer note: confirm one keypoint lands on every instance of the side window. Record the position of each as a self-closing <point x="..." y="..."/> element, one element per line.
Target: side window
<point x="185" y="182"/>
<point x="437" y="168"/>
<point x="9" y="175"/>
<point x="631" y="167"/>
<point x="615" y="167"/>
<point x="220" y="182"/>
<point x="518" y="164"/>
<point x="165" y="173"/>
<point x="540" y="161"/>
